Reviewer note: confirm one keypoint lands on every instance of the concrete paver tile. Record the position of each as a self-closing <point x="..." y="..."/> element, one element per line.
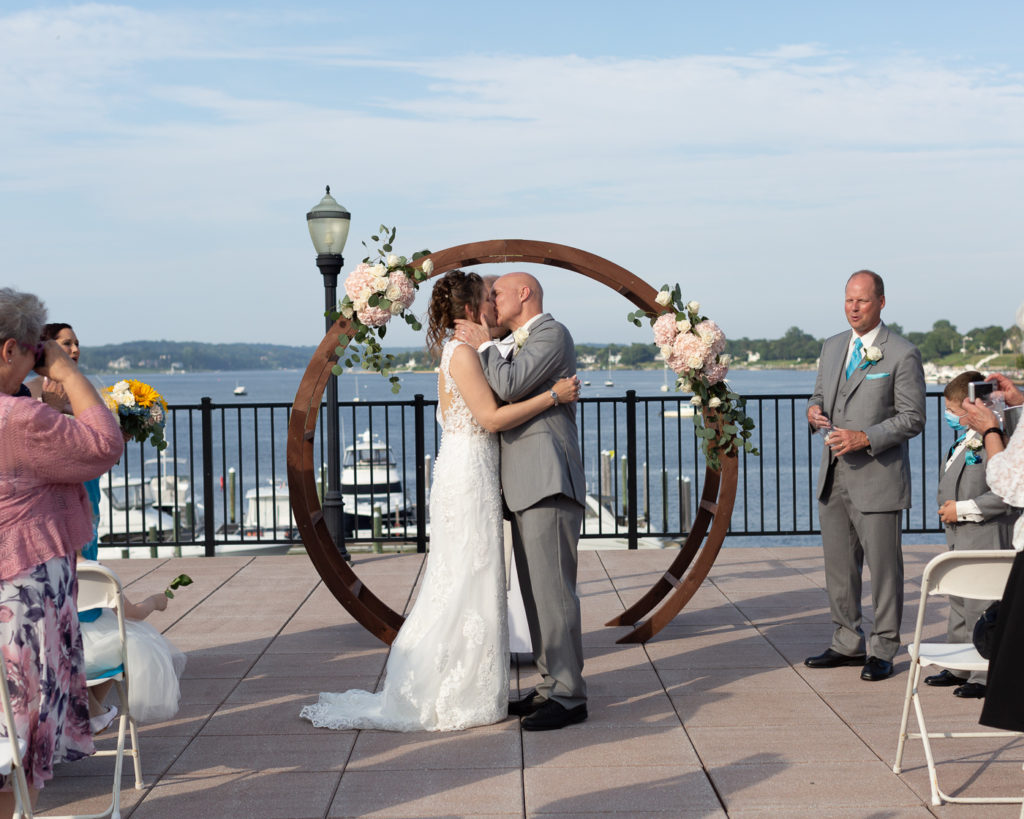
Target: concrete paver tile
<point x="429" y="793"/>
<point x="619" y="789"/>
<point x="598" y="746"/>
<point x="491" y="746"/>
<point x="270" y="795"/>
<point x="868" y="786"/>
<point x="218" y="755"/>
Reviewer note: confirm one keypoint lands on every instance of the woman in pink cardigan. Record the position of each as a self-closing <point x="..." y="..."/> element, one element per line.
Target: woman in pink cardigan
<point x="44" y="519"/>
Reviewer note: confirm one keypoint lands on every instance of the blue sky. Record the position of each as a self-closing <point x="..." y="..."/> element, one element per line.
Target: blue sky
<point x="157" y="159"/>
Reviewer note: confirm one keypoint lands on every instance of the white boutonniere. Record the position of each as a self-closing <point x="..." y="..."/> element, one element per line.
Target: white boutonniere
<point x="974" y="445"/>
<point x="520" y="335"/>
<point x="872" y="355"/>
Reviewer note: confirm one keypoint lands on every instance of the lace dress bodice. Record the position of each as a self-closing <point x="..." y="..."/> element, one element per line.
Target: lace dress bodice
<point x="452" y="413"/>
<point x="448" y="668"/>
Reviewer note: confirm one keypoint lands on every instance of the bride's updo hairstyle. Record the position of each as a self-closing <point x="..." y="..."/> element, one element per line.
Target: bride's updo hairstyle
<point x="458" y="295"/>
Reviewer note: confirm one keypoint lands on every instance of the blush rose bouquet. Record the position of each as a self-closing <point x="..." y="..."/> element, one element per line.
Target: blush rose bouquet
<point x="383" y="285"/>
<point x="693" y="347"/>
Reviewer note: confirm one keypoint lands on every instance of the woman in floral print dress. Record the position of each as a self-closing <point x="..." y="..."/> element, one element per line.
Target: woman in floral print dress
<point x="44" y="519"/>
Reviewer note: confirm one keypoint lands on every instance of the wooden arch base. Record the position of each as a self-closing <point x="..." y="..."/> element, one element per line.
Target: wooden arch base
<point x="374" y="615"/>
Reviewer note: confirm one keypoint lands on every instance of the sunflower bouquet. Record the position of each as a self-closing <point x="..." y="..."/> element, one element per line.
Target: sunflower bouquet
<point x="141" y="411"/>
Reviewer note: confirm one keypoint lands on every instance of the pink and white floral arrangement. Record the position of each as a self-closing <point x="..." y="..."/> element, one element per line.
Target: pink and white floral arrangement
<point x="693" y="347"/>
<point x="376" y="291"/>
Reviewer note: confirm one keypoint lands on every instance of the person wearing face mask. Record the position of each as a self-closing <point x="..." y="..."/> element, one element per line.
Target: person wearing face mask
<point x="974" y="518"/>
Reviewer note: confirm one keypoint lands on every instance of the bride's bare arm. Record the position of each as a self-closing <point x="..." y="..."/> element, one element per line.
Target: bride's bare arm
<point x="469" y="377"/>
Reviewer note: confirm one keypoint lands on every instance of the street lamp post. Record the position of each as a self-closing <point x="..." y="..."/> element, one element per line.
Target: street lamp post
<point x="328" y="224"/>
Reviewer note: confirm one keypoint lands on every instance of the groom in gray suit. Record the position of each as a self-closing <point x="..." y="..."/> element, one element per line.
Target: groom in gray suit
<point x="869" y="398"/>
<point x="545" y="491"/>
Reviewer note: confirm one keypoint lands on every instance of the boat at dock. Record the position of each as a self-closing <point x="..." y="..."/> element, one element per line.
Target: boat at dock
<point x="371" y="485"/>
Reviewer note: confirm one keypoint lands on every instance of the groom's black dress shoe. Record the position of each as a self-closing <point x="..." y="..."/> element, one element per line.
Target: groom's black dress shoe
<point x="875" y="670"/>
<point x="526" y="705"/>
<point x="944" y="678"/>
<point x="551" y="716"/>
<point x="970" y="691"/>
<point x="833" y="659"/>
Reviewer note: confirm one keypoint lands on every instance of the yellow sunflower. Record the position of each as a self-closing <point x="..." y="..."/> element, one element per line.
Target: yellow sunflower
<point x="144" y="394"/>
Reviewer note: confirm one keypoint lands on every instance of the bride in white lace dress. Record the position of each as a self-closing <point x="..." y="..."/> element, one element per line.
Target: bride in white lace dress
<point x="449" y="666"/>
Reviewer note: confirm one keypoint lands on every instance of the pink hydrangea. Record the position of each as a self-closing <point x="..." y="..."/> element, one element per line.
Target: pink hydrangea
<point x="714" y="373"/>
<point x="359" y="282"/>
<point x="401" y="289"/>
<point x="711" y="335"/>
<point x="687" y="353"/>
<point x="374" y="316"/>
<point x="665" y="329"/>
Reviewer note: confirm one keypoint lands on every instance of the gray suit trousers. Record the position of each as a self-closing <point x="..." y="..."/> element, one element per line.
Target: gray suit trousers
<point x="849" y="537"/>
<point x="544" y="538"/>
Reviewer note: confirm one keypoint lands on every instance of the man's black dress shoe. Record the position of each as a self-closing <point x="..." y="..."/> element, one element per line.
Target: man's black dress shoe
<point x="970" y="691"/>
<point x="551" y="716"/>
<point x="944" y="678"/>
<point x="833" y="659"/>
<point x="875" y="670"/>
<point x="525" y="705"/>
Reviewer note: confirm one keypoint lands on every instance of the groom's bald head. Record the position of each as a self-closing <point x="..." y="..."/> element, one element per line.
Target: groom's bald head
<point x="518" y="297"/>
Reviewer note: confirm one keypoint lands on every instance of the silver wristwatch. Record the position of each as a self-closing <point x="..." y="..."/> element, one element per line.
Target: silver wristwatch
<point x="555" y="396"/>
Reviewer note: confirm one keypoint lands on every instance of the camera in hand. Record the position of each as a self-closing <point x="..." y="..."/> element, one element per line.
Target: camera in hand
<point x="982" y="390"/>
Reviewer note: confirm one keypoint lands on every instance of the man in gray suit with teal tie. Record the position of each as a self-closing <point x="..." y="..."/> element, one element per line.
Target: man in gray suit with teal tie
<point x="869" y="399"/>
<point x="545" y="490"/>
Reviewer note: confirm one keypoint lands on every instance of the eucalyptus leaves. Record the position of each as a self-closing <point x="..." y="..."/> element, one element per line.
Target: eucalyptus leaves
<point x="376" y="290"/>
<point x="693" y="346"/>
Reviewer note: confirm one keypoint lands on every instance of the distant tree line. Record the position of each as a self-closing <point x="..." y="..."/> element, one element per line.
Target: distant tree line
<point x="795" y="346"/>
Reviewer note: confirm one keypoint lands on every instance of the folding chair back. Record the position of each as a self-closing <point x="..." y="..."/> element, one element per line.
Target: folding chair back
<point x="975" y="575"/>
<point x="12" y="752"/>
<point x="100" y="588"/>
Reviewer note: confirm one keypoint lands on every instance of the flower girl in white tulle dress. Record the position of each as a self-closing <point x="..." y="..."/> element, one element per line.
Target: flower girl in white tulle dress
<point x="154" y="663"/>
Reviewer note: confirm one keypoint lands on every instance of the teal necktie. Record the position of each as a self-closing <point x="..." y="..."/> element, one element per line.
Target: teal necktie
<point x="855" y="357"/>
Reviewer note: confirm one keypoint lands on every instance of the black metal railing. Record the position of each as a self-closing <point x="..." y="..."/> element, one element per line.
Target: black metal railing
<point x="220" y="486"/>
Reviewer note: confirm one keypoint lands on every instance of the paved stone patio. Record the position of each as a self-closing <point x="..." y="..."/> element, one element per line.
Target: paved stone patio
<point x="716" y="716"/>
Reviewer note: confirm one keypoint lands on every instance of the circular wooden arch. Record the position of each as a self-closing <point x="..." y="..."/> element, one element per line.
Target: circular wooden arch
<point x="672" y="591"/>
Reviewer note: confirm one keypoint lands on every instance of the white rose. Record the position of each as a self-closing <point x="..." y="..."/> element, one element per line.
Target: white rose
<point x="725" y="360"/>
<point x="393" y="261"/>
<point x="693" y="306"/>
<point x="428" y="266"/>
<point x="664" y="298"/>
<point x="380" y="283"/>
<point x="696" y="401"/>
<point x="396" y="307"/>
<point x="683" y="326"/>
<point x="666" y="351"/>
<point x="714" y="402"/>
<point x="695" y="361"/>
<point x="873" y="354"/>
<point x="360" y="304"/>
<point x="685" y="386"/>
<point x="520" y="335"/>
<point x="347" y="311"/>
<point x="121" y="386"/>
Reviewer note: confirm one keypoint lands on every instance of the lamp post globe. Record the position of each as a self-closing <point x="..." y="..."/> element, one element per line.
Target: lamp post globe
<point x="328" y="224"/>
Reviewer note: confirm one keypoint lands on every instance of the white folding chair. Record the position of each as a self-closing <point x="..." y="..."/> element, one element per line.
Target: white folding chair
<point x="12" y="752"/>
<point x="99" y="588"/>
<point x="976" y="575"/>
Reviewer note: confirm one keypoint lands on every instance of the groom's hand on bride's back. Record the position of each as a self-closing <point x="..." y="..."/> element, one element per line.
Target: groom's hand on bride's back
<point x="472" y="333"/>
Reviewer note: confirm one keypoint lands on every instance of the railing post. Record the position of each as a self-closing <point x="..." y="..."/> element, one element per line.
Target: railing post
<point x="421" y="476"/>
<point x="206" y="413"/>
<point x="631" y="468"/>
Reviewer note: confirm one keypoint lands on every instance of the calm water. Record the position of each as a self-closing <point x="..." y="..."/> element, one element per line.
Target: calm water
<point x="775" y="492"/>
<point x="266" y="386"/>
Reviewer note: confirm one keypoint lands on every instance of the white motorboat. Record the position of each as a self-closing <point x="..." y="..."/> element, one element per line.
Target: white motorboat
<point x="371" y="481"/>
<point x="239" y="389"/>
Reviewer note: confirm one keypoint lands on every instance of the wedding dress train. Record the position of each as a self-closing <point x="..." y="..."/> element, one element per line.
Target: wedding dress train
<point x="449" y="666"/>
